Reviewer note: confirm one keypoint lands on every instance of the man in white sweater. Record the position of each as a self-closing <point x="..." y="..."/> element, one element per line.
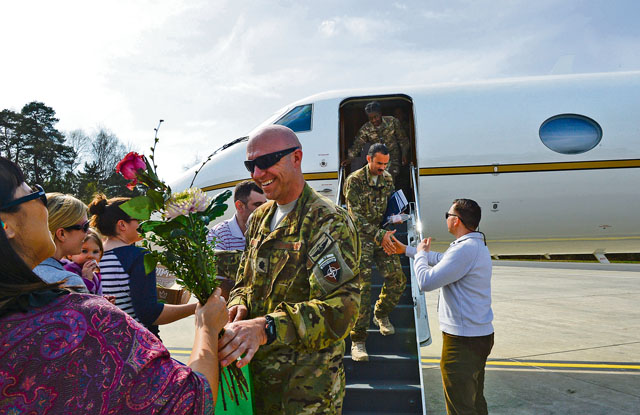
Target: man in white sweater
<point x="463" y="273"/>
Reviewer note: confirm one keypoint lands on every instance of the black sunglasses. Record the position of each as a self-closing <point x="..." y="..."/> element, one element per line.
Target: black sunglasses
<point x="84" y="227"/>
<point x="38" y="193"/>
<point x="446" y="216"/>
<point x="267" y="160"/>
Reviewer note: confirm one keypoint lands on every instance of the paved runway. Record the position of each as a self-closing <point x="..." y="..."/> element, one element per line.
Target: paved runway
<point x="567" y="340"/>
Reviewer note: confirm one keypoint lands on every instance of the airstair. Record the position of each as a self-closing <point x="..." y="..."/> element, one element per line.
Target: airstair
<point x="391" y="381"/>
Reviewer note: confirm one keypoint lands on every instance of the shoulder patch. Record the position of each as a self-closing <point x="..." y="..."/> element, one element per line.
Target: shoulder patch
<point x="321" y="245"/>
<point x="330" y="267"/>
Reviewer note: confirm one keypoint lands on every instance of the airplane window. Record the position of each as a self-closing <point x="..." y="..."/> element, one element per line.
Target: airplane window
<point x="570" y="133"/>
<point x="298" y="119"/>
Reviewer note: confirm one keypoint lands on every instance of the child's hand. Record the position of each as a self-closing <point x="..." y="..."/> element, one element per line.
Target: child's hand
<point x="110" y="298"/>
<point x="89" y="268"/>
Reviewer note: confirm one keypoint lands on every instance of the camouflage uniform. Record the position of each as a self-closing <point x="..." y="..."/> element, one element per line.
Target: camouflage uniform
<point x="367" y="202"/>
<point x="228" y="262"/>
<point x="391" y="134"/>
<point x="305" y="275"/>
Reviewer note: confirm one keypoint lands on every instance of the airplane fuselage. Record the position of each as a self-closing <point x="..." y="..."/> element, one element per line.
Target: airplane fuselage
<point x="554" y="162"/>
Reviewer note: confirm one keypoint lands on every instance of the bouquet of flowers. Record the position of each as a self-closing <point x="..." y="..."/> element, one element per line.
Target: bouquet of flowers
<point x="179" y="228"/>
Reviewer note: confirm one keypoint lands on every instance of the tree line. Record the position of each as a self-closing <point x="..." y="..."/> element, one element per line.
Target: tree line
<point x="77" y="163"/>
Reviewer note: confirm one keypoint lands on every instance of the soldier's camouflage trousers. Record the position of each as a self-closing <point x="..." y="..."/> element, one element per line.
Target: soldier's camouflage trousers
<point x="394" y="284"/>
<point x="292" y="383"/>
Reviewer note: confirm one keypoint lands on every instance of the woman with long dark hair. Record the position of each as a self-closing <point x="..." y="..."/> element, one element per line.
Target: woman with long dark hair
<point x="64" y="352"/>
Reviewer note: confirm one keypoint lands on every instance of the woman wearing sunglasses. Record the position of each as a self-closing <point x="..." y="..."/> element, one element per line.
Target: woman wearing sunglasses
<point x="65" y="352"/>
<point x="68" y="225"/>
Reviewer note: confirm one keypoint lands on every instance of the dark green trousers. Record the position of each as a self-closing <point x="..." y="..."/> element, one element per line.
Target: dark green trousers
<point x="462" y="366"/>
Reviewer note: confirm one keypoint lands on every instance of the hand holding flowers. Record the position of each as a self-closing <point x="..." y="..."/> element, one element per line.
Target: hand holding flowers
<point x="177" y="224"/>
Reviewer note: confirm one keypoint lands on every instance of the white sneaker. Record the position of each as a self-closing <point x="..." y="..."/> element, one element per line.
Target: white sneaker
<point x="359" y="352"/>
<point x="386" y="328"/>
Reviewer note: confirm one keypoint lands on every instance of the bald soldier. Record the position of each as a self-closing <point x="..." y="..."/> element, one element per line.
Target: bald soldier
<point x="297" y="296"/>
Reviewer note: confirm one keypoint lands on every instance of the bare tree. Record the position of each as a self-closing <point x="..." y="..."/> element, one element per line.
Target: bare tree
<point x="81" y="144"/>
<point x="106" y="152"/>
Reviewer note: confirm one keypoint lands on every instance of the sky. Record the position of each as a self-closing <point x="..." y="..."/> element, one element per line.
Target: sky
<point x="215" y="69"/>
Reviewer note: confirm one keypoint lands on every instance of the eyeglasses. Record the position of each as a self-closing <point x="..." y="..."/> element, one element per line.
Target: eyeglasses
<point x="267" y="160"/>
<point x="446" y="216"/>
<point x="84" y="227"/>
<point x="38" y="193"/>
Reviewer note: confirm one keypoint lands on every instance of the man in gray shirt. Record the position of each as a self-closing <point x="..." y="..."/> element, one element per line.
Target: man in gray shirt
<point x="463" y="273"/>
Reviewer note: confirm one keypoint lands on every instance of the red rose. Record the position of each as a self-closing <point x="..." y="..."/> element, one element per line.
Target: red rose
<point x="128" y="167"/>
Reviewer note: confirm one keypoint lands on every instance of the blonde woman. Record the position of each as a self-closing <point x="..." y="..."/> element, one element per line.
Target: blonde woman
<point x="67" y="353"/>
<point x="68" y="225"/>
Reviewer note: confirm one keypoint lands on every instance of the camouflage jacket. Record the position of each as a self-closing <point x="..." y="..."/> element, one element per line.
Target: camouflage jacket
<point x="390" y="133"/>
<point x="304" y="274"/>
<point x="367" y="201"/>
<point x="228" y="262"/>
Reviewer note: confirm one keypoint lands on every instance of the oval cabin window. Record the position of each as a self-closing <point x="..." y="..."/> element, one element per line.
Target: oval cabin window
<point x="570" y="133"/>
<point x="298" y="119"/>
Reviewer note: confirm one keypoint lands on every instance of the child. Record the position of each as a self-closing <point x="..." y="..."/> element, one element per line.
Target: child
<point x="85" y="264"/>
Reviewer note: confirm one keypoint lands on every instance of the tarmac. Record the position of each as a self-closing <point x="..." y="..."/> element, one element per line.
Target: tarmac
<point x="567" y="340"/>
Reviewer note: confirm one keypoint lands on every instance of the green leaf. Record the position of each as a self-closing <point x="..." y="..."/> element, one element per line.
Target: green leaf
<point x="176" y="233"/>
<point x="150" y="225"/>
<point x="183" y="220"/>
<point x="216" y="212"/>
<point x="150" y="262"/>
<point x="157" y="198"/>
<point x="166" y="229"/>
<point x="221" y="197"/>
<point x="139" y="207"/>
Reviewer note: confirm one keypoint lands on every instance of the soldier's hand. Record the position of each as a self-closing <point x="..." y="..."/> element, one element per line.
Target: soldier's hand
<point x="398" y="247"/>
<point x="425" y="245"/>
<point x="345" y="162"/>
<point x="241" y="338"/>
<point x="387" y="244"/>
<point x="237" y="313"/>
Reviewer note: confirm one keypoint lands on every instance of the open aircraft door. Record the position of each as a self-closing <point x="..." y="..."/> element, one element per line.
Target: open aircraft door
<point x="391" y="381"/>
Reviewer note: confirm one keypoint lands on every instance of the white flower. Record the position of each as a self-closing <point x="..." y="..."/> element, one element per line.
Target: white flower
<point x="187" y="202"/>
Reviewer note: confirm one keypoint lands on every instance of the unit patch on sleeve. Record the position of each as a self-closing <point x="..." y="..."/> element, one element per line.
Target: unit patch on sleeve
<point x="330" y="268"/>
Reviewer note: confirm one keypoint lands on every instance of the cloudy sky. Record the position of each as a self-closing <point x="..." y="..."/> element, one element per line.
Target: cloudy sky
<point x="215" y="69"/>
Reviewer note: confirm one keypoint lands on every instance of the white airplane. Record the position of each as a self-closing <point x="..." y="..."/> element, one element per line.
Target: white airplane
<point x="553" y="161"/>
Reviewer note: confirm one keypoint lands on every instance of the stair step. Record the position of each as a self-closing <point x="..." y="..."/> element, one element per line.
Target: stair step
<point x="403" y="342"/>
<point x="390" y="397"/>
<point x="391" y="367"/>
<point x="389" y="383"/>
<point x="401" y="316"/>
<point x="373" y="413"/>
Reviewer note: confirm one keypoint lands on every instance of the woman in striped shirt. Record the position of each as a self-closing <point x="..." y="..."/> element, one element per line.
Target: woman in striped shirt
<point x="122" y="267"/>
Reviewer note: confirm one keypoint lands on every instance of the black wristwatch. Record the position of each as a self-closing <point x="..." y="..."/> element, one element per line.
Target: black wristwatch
<point x="270" y="329"/>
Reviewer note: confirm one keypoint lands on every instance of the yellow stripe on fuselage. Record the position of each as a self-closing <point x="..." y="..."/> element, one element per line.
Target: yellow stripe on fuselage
<point x="482" y="169"/>
<point x="530" y="167"/>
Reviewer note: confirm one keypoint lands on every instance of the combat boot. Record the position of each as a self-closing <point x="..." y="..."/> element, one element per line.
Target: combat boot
<point x="386" y="328"/>
<point x="359" y="352"/>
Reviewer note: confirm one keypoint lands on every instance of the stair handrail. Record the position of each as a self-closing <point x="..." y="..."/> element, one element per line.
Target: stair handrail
<point x="340" y="179"/>
<point x="416" y="198"/>
<point x="414" y="231"/>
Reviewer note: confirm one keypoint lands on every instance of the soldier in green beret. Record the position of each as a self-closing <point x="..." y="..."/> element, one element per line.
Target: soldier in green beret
<point x="297" y="294"/>
<point x="366" y="191"/>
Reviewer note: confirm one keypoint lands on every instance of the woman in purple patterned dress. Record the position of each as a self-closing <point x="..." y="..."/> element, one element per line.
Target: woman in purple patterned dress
<point x="64" y="352"/>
